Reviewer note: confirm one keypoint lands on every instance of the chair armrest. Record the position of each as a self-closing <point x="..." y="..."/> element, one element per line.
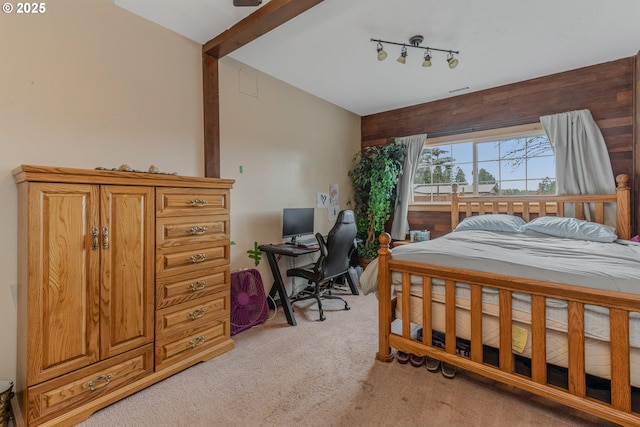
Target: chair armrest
<point x="323" y="245"/>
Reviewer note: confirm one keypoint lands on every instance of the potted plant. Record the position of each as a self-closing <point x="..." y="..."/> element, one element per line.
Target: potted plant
<point x="374" y="177"/>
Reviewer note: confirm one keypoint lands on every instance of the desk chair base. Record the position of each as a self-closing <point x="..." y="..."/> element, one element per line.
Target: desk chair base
<point x="319" y="293"/>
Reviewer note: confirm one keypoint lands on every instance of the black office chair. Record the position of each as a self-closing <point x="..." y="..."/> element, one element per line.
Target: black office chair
<point x="333" y="263"/>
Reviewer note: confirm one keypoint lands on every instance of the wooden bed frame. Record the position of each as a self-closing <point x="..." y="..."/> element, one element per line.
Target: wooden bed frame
<point x="619" y="305"/>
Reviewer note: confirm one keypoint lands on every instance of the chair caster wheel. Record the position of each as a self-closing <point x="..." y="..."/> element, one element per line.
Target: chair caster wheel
<point x="323" y="318"/>
<point x="346" y="307"/>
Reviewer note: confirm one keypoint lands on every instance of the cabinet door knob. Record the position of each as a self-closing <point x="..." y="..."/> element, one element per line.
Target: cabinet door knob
<point x="94" y="238"/>
<point x="105" y="238"/>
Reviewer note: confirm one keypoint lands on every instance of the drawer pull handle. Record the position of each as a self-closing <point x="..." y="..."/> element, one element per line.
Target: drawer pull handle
<point x="94" y="238"/>
<point x="196" y="203"/>
<point x="195" y="314"/>
<point x="197" y="258"/>
<point x="198" y="229"/>
<point x="196" y="341"/>
<point x="100" y="382"/>
<point x="197" y="286"/>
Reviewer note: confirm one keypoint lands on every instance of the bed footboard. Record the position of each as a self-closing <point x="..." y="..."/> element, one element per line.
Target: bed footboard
<point x="618" y="304"/>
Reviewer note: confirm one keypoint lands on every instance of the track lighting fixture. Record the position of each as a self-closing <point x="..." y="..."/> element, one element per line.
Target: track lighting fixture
<point x="415" y="42"/>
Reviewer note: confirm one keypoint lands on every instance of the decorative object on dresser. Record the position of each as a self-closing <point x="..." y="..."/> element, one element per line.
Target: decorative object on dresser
<point x="123" y="281"/>
<point x="126" y="168"/>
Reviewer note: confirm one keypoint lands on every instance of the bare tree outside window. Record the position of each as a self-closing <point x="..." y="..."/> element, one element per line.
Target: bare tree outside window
<point x="510" y="166"/>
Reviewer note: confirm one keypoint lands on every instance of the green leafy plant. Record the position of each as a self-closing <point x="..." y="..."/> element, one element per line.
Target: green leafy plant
<point x="255" y="254"/>
<point x="374" y="177"/>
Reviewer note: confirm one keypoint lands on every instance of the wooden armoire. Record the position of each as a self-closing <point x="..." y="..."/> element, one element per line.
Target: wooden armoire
<point x="123" y="280"/>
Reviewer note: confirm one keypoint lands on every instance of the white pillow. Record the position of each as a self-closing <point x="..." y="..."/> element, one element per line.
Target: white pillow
<point x="572" y="228"/>
<point x="497" y="222"/>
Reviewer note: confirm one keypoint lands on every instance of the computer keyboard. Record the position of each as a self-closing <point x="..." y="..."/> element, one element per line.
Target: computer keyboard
<point x="305" y="243"/>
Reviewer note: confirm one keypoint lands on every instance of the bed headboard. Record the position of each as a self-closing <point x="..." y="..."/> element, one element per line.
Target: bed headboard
<point x="541" y="205"/>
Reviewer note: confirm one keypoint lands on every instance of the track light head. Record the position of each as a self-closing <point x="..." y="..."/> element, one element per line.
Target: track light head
<point x="427" y="60"/>
<point x="453" y="62"/>
<point x="403" y="55"/>
<point x="382" y="55"/>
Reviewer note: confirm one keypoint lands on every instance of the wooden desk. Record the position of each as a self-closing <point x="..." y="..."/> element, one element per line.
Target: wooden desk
<point x="278" y="284"/>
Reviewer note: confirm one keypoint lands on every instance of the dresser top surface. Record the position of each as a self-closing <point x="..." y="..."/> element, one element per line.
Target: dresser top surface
<point x="31" y="173"/>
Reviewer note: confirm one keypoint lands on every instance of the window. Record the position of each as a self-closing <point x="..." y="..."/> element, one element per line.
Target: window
<point x="508" y="163"/>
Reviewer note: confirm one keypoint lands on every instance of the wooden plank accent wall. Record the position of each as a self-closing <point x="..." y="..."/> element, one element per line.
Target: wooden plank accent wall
<point x="438" y="223"/>
<point x="608" y="90"/>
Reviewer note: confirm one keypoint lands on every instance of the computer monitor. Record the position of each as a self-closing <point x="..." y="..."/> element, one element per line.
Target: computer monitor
<point x="297" y="222"/>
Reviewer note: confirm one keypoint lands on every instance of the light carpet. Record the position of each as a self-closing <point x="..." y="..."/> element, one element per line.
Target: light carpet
<point x="325" y="374"/>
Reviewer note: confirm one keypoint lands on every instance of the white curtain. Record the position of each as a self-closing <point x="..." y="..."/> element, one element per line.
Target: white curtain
<point x="582" y="160"/>
<point x="413" y="148"/>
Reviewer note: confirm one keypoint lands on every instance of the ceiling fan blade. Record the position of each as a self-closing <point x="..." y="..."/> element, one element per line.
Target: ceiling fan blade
<point x="246" y="2"/>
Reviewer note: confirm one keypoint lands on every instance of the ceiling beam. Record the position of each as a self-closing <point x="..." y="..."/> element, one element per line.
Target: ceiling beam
<point x="260" y="22"/>
<point x="211" y="110"/>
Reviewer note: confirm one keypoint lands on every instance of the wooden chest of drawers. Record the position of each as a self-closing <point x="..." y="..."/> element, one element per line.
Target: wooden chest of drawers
<point x="138" y="291"/>
<point x="192" y="273"/>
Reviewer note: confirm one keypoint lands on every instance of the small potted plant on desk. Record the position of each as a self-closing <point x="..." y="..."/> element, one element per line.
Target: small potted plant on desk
<point x="374" y="177"/>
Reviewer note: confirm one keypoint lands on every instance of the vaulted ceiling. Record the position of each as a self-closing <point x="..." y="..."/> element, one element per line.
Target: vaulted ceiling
<point x="327" y="51"/>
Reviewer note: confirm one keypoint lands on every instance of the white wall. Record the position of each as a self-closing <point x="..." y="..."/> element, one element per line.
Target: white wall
<point x="290" y="146"/>
<point x="88" y="84"/>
